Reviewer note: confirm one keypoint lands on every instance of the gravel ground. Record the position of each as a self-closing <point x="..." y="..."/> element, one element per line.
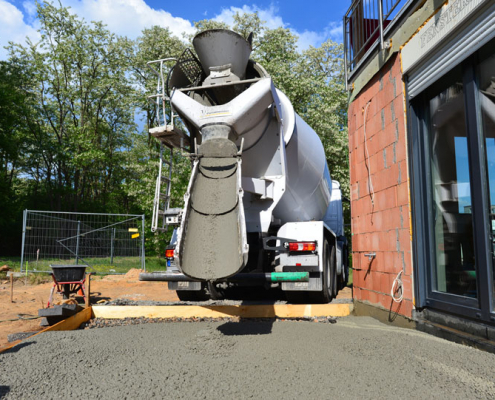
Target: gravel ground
<point x="353" y="357"/>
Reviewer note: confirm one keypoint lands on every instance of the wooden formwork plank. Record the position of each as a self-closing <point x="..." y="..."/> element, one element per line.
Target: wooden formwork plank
<point x="243" y="311"/>
<point x="71" y="323"/>
<point x="67" y="324"/>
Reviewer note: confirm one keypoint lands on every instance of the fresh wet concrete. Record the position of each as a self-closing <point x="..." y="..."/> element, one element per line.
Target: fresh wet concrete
<point x="356" y="357"/>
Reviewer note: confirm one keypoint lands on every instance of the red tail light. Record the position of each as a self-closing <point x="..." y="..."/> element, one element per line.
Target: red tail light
<point x="302" y="246"/>
<point x="169" y="253"/>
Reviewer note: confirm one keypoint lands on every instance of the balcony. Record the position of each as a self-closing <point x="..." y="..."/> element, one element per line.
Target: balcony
<point x="367" y="24"/>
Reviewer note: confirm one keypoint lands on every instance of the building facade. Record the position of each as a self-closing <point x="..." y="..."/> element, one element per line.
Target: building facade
<point x="421" y="119"/>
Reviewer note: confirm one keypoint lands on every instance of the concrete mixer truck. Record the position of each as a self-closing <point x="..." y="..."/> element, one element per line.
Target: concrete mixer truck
<point x="260" y="209"/>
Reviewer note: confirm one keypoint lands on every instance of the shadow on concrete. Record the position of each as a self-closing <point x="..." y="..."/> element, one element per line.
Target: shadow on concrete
<point x="4" y="390"/>
<point x="392" y="314"/>
<point x="247" y="326"/>
<point x="17" y="347"/>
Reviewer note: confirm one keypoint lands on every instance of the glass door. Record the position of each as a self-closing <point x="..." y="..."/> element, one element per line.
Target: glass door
<point x="454" y="266"/>
<point x="487" y="106"/>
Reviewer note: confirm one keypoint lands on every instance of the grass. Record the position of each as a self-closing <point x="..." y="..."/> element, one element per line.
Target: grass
<point x="102" y="266"/>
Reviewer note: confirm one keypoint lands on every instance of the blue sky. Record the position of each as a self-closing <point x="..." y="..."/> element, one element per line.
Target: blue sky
<point x="313" y="21"/>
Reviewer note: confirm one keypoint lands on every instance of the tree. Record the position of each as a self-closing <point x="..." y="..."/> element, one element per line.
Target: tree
<point x="14" y="101"/>
<point x="82" y="113"/>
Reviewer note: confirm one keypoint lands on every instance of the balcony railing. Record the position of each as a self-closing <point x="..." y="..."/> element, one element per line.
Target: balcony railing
<point x="364" y="25"/>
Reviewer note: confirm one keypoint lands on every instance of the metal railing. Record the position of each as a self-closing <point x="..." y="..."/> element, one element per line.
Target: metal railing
<point x="365" y="24"/>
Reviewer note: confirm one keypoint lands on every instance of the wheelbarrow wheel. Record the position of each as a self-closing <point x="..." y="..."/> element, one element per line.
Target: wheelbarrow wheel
<point x="66" y="292"/>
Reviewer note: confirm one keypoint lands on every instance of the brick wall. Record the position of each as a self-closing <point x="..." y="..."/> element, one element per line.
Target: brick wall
<point x="381" y="226"/>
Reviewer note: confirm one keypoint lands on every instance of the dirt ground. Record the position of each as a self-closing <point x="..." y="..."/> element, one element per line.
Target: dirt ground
<point x="28" y="299"/>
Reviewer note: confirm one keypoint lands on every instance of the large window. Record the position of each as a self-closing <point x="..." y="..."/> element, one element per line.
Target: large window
<point x="455" y="267"/>
<point x="487" y="106"/>
<point x="454" y="179"/>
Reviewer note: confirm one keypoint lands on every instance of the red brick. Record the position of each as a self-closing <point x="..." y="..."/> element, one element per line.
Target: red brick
<point x="395" y="66"/>
<point x="389" y="263"/>
<point x="385" y="199"/>
<point x="402" y="193"/>
<point x="405" y="308"/>
<point x="364" y="187"/>
<point x="381" y="300"/>
<point x="389" y="241"/>
<point x="392" y="218"/>
<point x="390" y="135"/>
<point x="390" y="156"/>
<point x="360" y="155"/>
<point x="356" y="225"/>
<point x="381" y="99"/>
<point x="386" y="178"/>
<point x="355" y="260"/>
<point x="407" y="260"/>
<point x="403" y="171"/>
<point x="373" y="297"/>
<point x="400" y="123"/>
<point x="364" y="295"/>
<point x="407" y="285"/>
<point x="354" y="191"/>
<point x="357" y="278"/>
<point x="384" y="283"/>
<point x="405" y="239"/>
<point x="376" y="161"/>
<point x="400" y="151"/>
<point x="398" y="104"/>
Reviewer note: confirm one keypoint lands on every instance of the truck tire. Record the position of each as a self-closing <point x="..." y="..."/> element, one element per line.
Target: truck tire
<point x="344" y="280"/>
<point x="329" y="281"/>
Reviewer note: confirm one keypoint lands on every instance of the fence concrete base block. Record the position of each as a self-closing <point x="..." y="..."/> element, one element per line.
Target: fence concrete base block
<point x="224" y="311"/>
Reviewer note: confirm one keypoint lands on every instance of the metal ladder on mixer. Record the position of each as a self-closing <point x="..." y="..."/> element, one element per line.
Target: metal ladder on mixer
<point x="167" y="134"/>
<point x="163" y="215"/>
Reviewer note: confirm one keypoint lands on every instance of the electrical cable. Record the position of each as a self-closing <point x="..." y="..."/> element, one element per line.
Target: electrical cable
<point x="397" y="281"/>
<point x="367" y="154"/>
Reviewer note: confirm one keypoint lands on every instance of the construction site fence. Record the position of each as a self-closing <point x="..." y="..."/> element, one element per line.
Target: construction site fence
<point x="106" y="243"/>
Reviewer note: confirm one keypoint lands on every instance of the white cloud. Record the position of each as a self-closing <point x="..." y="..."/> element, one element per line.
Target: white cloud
<point x="269" y="15"/>
<point x="128" y="17"/>
<point x="13" y="28"/>
<point x="273" y="20"/>
<point x="30" y="8"/>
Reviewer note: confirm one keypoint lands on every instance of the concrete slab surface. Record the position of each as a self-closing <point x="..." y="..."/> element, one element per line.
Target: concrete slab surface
<point x="356" y="357"/>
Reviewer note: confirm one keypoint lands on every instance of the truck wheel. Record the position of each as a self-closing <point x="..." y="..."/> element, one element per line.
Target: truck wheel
<point x="329" y="276"/>
<point x="335" y="280"/>
<point x="345" y="268"/>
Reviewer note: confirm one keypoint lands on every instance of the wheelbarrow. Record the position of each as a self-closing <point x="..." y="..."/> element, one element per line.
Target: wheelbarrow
<point x="68" y="279"/>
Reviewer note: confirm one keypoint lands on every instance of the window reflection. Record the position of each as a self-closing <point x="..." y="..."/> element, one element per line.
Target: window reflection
<point x="453" y="223"/>
<point x="487" y="102"/>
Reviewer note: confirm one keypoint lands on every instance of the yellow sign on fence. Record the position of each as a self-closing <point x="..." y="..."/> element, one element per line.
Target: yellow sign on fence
<point x="136" y="235"/>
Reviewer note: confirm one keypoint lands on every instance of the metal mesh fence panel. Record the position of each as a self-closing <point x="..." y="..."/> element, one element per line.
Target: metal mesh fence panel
<point x="107" y="243"/>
